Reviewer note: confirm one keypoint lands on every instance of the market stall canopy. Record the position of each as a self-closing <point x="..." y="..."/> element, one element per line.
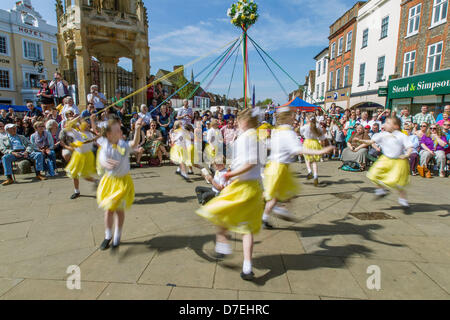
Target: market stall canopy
<point x="302" y="104"/>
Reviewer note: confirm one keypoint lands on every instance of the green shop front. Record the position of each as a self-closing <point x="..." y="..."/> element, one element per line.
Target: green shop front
<point x="430" y="89"/>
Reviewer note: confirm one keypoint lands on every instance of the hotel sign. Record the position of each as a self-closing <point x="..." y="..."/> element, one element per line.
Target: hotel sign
<point x="29" y="32"/>
<point x="435" y="83"/>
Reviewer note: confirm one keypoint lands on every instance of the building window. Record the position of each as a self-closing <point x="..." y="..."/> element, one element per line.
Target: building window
<point x="362" y="71"/>
<point x="349" y="41"/>
<point x="380" y="68"/>
<point x="338" y="78"/>
<point x="340" y="45"/>
<point x="322" y="91"/>
<point x="365" y="39"/>
<point x="324" y="65"/>
<point x="31" y="80"/>
<point x="414" y="20"/>
<point x="5" y="80"/>
<point x="434" y="57"/>
<point x="333" y="50"/>
<point x="439" y="12"/>
<point x="32" y="50"/>
<point x="4" y="45"/>
<point x="330" y="84"/>
<point x="318" y="68"/>
<point x="346" y="72"/>
<point x="54" y="55"/>
<point x="408" y="63"/>
<point x="317" y="91"/>
<point x="384" y="27"/>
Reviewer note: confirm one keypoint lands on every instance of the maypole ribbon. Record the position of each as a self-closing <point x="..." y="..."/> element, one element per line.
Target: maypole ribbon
<point x="72" y="122"/>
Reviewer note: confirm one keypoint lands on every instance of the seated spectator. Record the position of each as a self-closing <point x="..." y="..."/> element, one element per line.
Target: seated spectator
<point x="11" y="113"/>
<point x="414" y="156"/>
<point x="364" y="121"/>
<point x="422" y="130"/>
<point x="28" y="129"/>
<point x="163" y="120"/>
<point x="53" y="129"/>
<point x="69" y="103"/>
<point x="444" y="118"/>
<point x="19" y="125"/>
<point x="145" y="116"/>
<point x="97" y="98"/>
<point x="45" y="96"/>
<point x="33" y="113"/>
<point x="433" y="145"/>
<point x="2" y="130"/>
<point x="424" y="116"/>
<point x="446" y="132"/>
<point x="374" y="129"/>
<point x="90" y="110"/>
<point x="4" y="118"/>
<point x="139" y="150"/>
<point x="355" y="150"/>
<point x="15" y="147"/>
<point x="205" y="194"/>
<point x="406" y="117"/>
<point x="153" y="143"/>
<point x="43" y="141"/>
<point x="441" y="115"/>
<point x="154" y="110"/>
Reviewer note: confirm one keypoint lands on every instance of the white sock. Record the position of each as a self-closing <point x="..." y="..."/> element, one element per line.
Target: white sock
<point x="184" y="175"/>
<point x="309" y="171"/>
<point x="108" y="234"/>
<point x="178" y="169"/>
<point x="265" y="217"/>
<point x="117" y="234"/>
<point x="223" y="248"/>
<point x="403" y="202"/>
<point x="380" y="192"/>
<point x="316" y="176"/>
<point x="77" y="190"/>
<point x="247" y="267"/>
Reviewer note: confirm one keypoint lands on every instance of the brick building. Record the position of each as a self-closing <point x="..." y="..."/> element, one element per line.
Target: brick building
<point x="342" y="48"/>
<point x="423" y="56"/>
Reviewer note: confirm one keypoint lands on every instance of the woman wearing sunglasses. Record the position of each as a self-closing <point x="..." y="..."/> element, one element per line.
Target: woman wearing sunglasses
<point x="433" y="145"/>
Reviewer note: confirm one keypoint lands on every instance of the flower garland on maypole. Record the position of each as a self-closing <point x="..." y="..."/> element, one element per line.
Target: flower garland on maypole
<point x="243" y="15"/>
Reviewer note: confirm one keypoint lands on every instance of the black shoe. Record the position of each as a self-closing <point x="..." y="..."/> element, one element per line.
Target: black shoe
<point x="115" y="247"/>
<point x="178" y="172"/>
<point x="309" y="176"/>
<point x="267" y="225"/>
<point x="186" y="179"/>
<point x="105" y="244"/>
<point x="316" y="182"/>
<point x="74" y="196"/>
<point x="219" y="256"/>
<point x="191" y="172"/>
<point x="247" y="276"/>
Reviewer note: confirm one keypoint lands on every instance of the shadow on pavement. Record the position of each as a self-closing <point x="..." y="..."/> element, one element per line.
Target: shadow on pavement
<point x="159" y="197"/>
<point x="424" y="207"/>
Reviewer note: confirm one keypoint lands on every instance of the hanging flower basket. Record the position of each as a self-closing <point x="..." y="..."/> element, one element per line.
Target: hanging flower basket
<point x="243" y="13"/>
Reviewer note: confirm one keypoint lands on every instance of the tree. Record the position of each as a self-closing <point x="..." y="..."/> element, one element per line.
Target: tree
<point x="187" y="90"/>
<point x="264" y="102"/>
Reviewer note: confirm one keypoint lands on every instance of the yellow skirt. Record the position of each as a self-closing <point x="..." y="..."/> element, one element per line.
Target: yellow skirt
<point x="238" y="207"/>
<point x="115" y="193"/>
<point x="391" y="173"/>
<point x="279" y="182"/>
<point x="81" y="165"/>
<point x="210" y="152"/>
<point x="312" y="144"/>
<point x="98" y="166"/>
<point x="177" y="154"/>
<point x="190" y="156"/>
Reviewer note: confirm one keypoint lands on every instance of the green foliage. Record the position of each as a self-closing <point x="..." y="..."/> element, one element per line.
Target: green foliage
<point x="186" y="91"/>
<point x="244" y="12"/>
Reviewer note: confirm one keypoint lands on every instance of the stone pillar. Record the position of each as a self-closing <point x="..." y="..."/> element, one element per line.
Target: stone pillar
<point x="140" y="67"/>
<point x="82" y="59"/>
<point x="109" y="76"/>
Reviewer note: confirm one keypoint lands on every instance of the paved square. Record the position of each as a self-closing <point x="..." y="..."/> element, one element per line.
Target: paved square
<point x="165" y="253"/>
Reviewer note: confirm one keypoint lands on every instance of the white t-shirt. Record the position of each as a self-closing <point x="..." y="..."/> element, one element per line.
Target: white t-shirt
<point x="180" y="138"/>
<point x="362" y="122"/>
<point x="97" y="102"/>
<point x="59" y="86"/>
<point x="284" y="145"/>
<point x="120" y="153"/>
<point x="82" y="136"/>
<point x="306" y="132"/>
<point x="371" y="122"/>
<point x="214" y="136"/>
<point x="219" y="178"/>
<point x="66" y="106"/>
<point x="246" y="152"/>
<point x="146" y="117"/>
<point x="394" y="144"/>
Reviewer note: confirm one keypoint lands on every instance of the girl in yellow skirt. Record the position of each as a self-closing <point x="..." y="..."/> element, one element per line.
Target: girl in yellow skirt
<point x="115" y="192"/>
<point x="239" y="206"/>
<point x="391" y="170"/>
<point x="82" y="162"/>
<point x="312" y="135"/>
<point x="178" y="150"/>
<point x="190" y="149"/>
<point x="214" y="142"/>
<point x="279" y="182"/>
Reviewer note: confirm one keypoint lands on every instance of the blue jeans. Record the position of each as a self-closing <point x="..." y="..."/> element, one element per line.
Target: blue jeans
<point x="50" y="163"/>
<point x="36" y="156"/>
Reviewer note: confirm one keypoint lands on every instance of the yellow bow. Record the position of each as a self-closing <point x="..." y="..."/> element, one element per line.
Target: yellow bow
<point x="119" y="149"/>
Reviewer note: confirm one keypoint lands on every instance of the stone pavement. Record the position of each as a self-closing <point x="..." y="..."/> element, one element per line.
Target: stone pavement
<point x="166" y="247"/>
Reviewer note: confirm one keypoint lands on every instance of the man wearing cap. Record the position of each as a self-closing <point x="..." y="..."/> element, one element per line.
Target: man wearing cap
<point x="185" y="114"/>
<point x="4" y="118"/>
<point x="33" y="112"/>
<point x="16" y="147"/>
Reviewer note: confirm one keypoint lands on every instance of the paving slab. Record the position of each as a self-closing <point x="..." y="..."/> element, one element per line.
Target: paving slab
<point x="439" y="273"/>
<point x="184" y="293"/>
<point x="123" y="291"/>
<point x="255" y="295"/>
<point x="7" y="284"/>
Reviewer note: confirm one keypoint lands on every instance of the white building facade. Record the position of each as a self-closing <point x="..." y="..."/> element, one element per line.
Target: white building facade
<point x="28" y="53"/>
<point x="375" y="51"/>
<point x="310" y="87"/>
<point x="321" y="76"/>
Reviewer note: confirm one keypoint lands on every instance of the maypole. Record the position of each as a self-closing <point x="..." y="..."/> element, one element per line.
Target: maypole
<point x="244" y="14"/>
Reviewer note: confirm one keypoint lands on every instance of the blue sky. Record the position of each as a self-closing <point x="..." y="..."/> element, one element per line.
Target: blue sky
<point x="291" y="31"/>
